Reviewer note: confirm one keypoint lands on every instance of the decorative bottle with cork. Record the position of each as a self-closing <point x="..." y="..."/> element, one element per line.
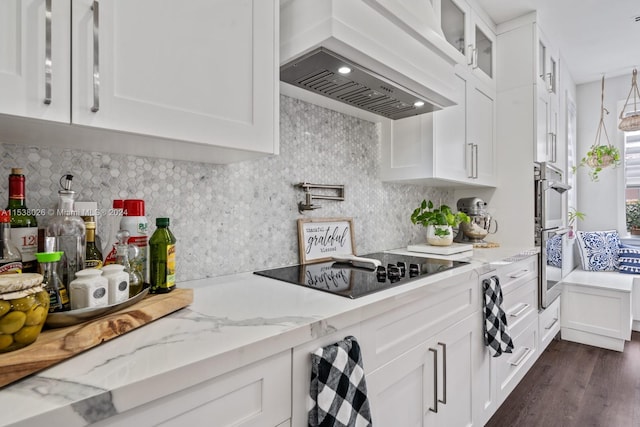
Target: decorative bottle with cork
<point x="66" y="232"/>
<point x="24" y="227"/>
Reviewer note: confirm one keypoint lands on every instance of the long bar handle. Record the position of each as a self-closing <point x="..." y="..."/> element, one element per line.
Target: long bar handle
<point x="470" y="162"/>
<point x="435" y="380"/>
<point x="96" y="56"/>
<point x="555" y="320"/>
<point x="444" y="373"/>
<point x="527" y="350"/>
<point x="47" y="52"/>
<point x="523" y="307"/>
<point x="475" y="150"/>
<point x="519" y="274"/>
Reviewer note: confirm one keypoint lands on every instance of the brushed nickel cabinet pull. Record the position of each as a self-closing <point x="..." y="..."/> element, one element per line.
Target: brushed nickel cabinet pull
<point x="435" y="380"/>
<point x="47" y="52"/>
<point x="527" y="350"/>
<point x="475" y="156"/>
<point x="444" y="373"/>
<point x="96" y="56"/>
<point x="555" y="320"/>
<point x="522" y="309"/>
<point x="469" y="164"/>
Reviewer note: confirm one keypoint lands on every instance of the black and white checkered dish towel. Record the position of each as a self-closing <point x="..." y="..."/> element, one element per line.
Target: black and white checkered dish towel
<point x="338" y="392"/>
<point x="496" y="331"/>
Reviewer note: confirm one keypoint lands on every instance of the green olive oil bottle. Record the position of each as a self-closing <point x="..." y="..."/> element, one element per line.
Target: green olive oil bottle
<point x="162" y="263"/>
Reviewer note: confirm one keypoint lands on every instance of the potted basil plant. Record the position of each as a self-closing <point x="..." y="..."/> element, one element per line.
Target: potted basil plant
<point x="439" y="222"/>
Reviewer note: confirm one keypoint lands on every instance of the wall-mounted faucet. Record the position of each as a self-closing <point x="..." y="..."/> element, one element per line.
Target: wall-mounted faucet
<point x="308" y="205"/>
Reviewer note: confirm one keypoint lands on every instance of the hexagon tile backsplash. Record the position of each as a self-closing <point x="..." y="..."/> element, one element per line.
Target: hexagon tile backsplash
<point x="241" y="217"/>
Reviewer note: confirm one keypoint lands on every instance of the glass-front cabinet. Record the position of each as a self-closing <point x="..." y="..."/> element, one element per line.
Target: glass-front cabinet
<point x="469" y="34"/>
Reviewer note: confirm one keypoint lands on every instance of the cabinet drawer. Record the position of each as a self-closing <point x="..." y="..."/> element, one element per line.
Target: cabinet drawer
<point x="396" y="331"/>
<point x="511" y="368"/>
<point x="257" y="394"/>
<point x="521" y="305"/>
<point x="549" y="323"/>
<point x="515" y="274"/>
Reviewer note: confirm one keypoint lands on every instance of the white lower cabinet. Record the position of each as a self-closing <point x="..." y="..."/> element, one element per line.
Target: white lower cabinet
<point x="255" y="395"/>
<point x="433" y="383"/>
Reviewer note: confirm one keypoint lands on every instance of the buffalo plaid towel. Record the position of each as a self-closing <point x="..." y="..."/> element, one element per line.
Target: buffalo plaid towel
<point x="496" y="332"/>
<point x="338" y="391"/>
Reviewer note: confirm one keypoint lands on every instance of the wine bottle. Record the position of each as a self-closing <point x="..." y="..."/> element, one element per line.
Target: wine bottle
<point x="24" y="227"/>
<point x="93" y="256"/>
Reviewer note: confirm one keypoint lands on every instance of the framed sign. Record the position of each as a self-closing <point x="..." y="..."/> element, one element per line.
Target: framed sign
<point x="321" y="238"/>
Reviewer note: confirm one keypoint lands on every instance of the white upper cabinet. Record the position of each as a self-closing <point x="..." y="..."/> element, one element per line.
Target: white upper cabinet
<point x="466" y="30"/>
<point x="529" y="63"/>
<point x="454" y="146"/>
<point x="199" y="72"/>
<point x="35" y="59"/>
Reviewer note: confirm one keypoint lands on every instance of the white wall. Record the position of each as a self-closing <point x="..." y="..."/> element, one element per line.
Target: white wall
<point x="601" y="201"/>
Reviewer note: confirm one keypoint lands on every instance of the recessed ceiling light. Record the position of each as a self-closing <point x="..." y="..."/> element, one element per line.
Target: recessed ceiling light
<point x="418" y="104"/>
<point x="344" y="70"/>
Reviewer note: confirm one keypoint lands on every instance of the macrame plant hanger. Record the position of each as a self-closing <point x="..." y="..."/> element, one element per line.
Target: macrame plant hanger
<point x="594" y="161"/>
<point x="631" y="123"/>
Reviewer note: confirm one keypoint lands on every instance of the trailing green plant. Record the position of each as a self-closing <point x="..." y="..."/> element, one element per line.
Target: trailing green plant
<point x="426" y="214"/>
<point x="599" y="157"/>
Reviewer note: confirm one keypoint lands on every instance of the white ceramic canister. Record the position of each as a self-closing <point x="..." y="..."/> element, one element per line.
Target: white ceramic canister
<point x="118" y="282"/>
<point x="89" y="289"/>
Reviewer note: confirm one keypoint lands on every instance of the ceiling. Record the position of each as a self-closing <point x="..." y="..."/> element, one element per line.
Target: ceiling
<point x="595" y="37"/>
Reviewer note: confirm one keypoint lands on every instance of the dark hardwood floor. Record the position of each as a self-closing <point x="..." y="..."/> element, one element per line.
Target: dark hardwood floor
<point x="577" y="385"/>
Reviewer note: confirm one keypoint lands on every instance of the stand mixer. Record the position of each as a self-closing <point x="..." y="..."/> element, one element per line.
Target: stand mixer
<point x="480" y="225"/>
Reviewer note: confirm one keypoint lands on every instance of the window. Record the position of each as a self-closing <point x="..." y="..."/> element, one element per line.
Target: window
<point x="632" y="178"/>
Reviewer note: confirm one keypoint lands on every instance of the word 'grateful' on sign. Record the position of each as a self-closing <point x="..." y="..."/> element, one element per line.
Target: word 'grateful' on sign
<point x="327" y="239"/>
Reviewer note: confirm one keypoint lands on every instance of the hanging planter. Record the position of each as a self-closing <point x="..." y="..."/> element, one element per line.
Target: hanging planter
<point x="631" y="122"/>
<point x="600" y="155"/>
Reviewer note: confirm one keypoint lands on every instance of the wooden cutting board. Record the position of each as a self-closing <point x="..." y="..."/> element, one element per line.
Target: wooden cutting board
<point x="56" y="345"/>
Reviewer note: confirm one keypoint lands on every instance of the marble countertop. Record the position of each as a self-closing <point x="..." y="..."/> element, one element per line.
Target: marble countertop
<point x="233" y="321"/>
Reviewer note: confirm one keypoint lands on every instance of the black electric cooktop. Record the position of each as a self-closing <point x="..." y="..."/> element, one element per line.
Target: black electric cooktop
<point x="352" y="282"/>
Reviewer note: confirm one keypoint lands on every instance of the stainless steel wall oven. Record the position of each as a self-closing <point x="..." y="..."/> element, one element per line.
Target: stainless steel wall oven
<point x="550" y="230"/>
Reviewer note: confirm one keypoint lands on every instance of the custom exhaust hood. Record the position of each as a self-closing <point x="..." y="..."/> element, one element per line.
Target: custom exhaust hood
<point x="388" y="57"/>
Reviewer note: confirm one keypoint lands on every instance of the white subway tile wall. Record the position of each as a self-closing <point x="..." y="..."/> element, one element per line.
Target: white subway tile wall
<point x="241" y="217"/>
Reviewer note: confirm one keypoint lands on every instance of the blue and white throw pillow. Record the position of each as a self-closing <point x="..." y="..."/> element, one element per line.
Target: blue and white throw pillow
<point x="554" y="251"/>
<point x="598" y="250"/>
<point x="629" y="259"/>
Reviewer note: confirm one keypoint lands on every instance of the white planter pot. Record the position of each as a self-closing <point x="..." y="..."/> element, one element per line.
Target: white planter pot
<point x="436" y="240"/>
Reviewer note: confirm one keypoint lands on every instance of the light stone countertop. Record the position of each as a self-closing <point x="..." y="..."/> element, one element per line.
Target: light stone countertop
<point x="233" y="321"/>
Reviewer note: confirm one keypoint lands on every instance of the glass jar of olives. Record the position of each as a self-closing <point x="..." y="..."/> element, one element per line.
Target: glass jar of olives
<point x="24" y="305"/>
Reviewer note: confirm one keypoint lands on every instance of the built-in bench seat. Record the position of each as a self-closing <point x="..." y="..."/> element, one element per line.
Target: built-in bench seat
<point x="597" y="308"/>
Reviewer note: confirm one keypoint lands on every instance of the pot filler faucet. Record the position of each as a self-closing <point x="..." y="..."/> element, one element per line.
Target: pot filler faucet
<point x="308" y="205"/>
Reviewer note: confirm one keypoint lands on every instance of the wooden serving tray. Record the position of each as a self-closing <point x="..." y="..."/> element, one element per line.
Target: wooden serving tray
<point x="56" y="345"/>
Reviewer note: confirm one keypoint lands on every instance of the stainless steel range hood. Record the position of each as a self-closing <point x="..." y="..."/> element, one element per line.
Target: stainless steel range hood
<point x="319" y="71"/>
<point x="400" y="64"/>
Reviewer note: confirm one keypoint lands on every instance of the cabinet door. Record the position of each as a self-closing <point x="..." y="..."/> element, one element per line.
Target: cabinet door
<point x="455" y="21"/>
<point x="431" y="384"/>
<point x="483" y="58"/>
<point x="192" y="70"/>
<point x="452" y="154"/>
<point x="399" y="391"/>
<point x="34" y="59"/>
<point x="481" y="120"/>
<point x="542" y="146"/>
<point x="460" y="348"/>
